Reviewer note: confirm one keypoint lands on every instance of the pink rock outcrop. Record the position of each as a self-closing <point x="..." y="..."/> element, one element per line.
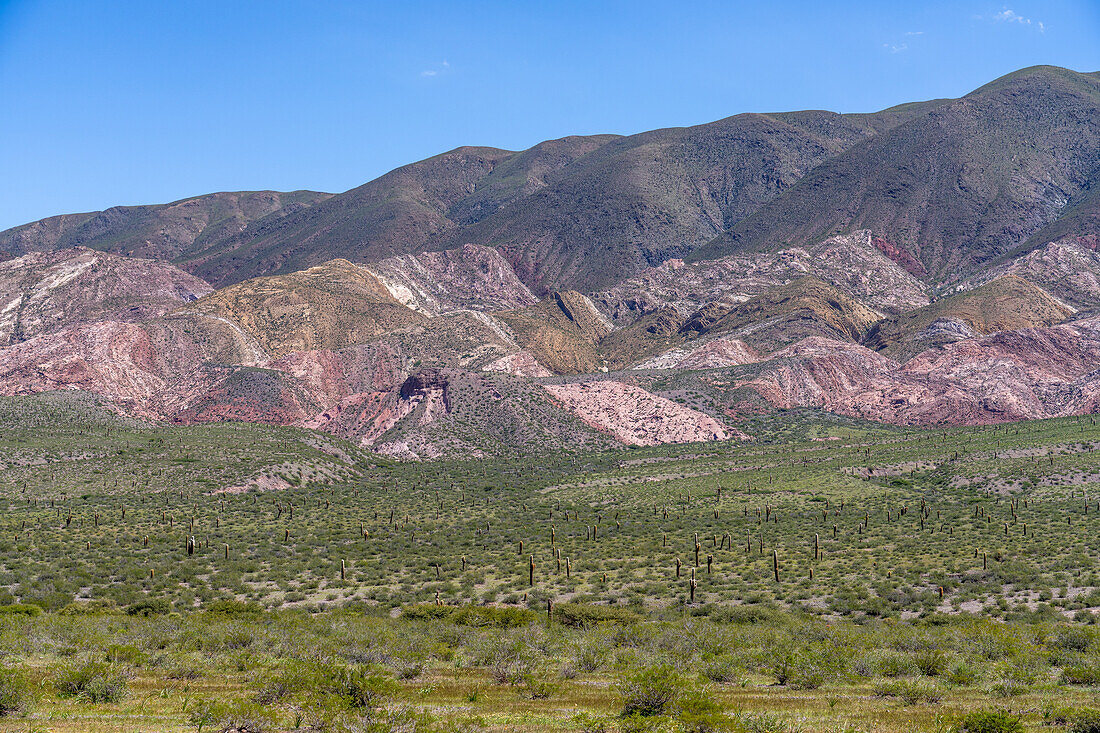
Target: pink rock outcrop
<point x="636" y="417"/>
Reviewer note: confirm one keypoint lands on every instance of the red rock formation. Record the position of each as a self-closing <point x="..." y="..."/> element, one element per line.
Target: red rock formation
<point x="901" y="256"/>
<point x="111" y="359"/>
<point x="1011" y="375"/>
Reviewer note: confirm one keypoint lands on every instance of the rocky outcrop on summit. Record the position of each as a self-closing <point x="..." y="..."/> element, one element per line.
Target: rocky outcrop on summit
<point x="472" y="276"/>
<point x="851" y="262"/>
<point x="635" y="417"/>
<point x="47" y="291"/>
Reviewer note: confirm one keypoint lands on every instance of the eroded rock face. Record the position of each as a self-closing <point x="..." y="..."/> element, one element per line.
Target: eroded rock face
<point x="1068" y="269"/>
<point x="1010" y="375"/>
<point x="636" y="417"/>
<point x="44" y="292"/>
<point x="332" y="305"/>
<point x="819" y="372"/>
<point x="330" y="376"/>
<point x="850" y="262"/>
<point x="471" y="276"/>
<point x="111" y="359"/>
<point x="521" y="364"/>
<point x="721" y="352"/>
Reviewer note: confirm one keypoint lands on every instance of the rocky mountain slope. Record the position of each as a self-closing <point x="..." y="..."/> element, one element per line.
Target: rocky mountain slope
<point x="852" y="263"/>
<point x="1068" y="269"/>
<point x="641" y="198"/>
<point x="1004" y="304"/>
<point x="324" y="307"/>
<point x="47" y="291"/>
<point x="184" y="231"/>
<point x="896" y="267"/>
<point x="469" y="277"/>
<point x="952" y="188"/>
<point x="330" y="347"/>
<point x="944" y="187"/>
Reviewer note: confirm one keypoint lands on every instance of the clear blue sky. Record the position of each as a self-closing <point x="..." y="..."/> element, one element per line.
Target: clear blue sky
<point x="109" y="103"/>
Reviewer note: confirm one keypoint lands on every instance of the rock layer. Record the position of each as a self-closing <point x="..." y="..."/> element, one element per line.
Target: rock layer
<point x="634" y="416"/>
<point x="48" y="291"/>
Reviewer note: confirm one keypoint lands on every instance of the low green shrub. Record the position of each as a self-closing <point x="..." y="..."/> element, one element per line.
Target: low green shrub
<point x="1081" y="675"/>
<point x="583" y="615"/>
<point x="14" y="693"/>
<point x="206" y="714"/>
<point x="931" y="662"/>
<point x="149" y="607"/>
<point x="651" y="691"/>
<point x="126" y="654"/>
<point x="1084" y="721"/>
<point x="356" y="687"/>
<point x="589" y="723"/>
<point x="94" y="682"/>
<point x="246" y="717"/>
<point x="1008" y="688"/>
<point x="477" y="616"/>
<point x="991" y="721"/>
<point x="911" y="692"/>
<point x="232" y="607"/>
<point x="20" y="609"/>
<point x="961" y="674"/>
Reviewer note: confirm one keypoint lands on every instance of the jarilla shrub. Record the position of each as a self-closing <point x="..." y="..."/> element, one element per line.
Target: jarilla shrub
<point x="14" y="697"/>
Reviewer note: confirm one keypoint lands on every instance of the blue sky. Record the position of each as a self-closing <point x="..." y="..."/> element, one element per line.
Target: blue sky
<point x="110" y="103"/>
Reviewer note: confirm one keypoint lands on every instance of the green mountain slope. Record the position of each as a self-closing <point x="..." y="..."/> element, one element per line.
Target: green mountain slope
<point x="956" y="186"/>
<point x="574" y="213"/>
<point x="182" y="230"/>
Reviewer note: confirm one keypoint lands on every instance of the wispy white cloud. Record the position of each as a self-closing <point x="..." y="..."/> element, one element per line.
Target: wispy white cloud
<point x="436" y="70"/>
<point x="914" y="33"/>
<point x="896" y="47"/>
<point x="1009" y="16"/>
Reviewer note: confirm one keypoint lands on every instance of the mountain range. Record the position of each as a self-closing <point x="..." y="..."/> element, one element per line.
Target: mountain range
<point x="931" y="263"/>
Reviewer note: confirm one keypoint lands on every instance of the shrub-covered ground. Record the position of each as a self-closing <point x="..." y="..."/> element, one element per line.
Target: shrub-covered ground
<point x="823" y="563"/>
<point x="711" y="668"/>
